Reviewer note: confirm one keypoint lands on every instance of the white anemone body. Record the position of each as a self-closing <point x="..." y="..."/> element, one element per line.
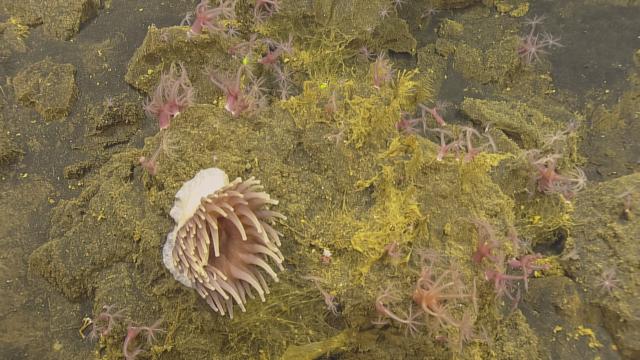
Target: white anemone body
<point x="188" y="199"/>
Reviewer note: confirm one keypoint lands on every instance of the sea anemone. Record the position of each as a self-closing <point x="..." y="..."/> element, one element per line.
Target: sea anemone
<point x="222" y="239"/>
<point x="173" y="94"/>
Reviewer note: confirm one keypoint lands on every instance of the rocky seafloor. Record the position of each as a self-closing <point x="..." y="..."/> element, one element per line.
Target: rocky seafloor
<point x="371" y="201"/>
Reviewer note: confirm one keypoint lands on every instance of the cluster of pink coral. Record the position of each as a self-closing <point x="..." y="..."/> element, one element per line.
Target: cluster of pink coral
<point x="436" y="293"/>
<point x="535" y="44"/>
<point x="244" y="92"/>
<point x="239" y="98"/>
<point x="212" y="18"/>
<point x="468" y="144"/>
<point x="442" y="300"/>
<point x="547" y="178"/>
<point x="382" y="305"/>
<point x="465" y="141"/>
<point x="103" y="324"/>
<point x="418" y="125"/>
<point x="437" y="298"/>
<point x="490" y="255"/>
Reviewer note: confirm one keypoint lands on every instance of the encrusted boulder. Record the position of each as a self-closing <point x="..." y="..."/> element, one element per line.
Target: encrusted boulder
<point x="49" y="86"/>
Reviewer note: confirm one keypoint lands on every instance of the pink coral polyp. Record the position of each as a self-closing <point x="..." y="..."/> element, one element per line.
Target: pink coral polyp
<point x="173" y="94"/>
<point x="208" y="18"/>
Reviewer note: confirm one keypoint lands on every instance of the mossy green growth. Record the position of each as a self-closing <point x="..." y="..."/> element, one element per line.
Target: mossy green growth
<point x="394" y="218"/>
<point x="370" y="118"/>
<point x="12" y="35"/>
<point x="545" y="219"/>
<point x="440" y="200"/>
<point x="540" y="218"/>
<point x="515" y="8"/>
<point x="49" y="86"/>
<point x="432" y="67"/>
<point x="452" y="4"/>
<point x="606" y="233"/>
<point x="375" y="22"/>
<point x="317" y="349"/>
<point x="393" y="34"/>
<point x="348" y="183"/>
<point x="353" y="17"/>
<point x="162" y="47"/>
<point x="451" y="29"/>
<point x="319" y="102"/>
<point x="610" y="140"/>
<point x="475" y="52"/>
<point x="361" y="114"/>
<point x="518" y="120"/>
<point x="325" y="55"/>
<point x="68" y="260"/>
